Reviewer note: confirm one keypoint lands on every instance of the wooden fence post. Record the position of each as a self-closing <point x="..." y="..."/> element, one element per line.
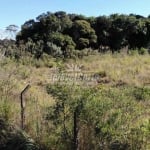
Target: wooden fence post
<point x="22" y="104"/>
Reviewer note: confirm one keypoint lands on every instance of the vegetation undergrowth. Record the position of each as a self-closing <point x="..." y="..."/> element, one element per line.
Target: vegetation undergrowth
<point x="102" y="102"/>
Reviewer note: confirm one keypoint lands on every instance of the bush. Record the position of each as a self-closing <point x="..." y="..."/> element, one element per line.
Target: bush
<point x="133" y="52"/>
<point x="143" y="51"/>
<point x="53" y="49"/>
<point x="83" y="43"/>
<point x="142" y="94"/>
<point x="11" y="139"/>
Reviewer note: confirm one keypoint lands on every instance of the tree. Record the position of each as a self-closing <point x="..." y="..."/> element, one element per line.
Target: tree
<point x="83" y="42"/>
<point x="62" y="113"/>
<point x="136" y="32"/>
<point x="12" y="29"/>
<point x="72" y="31"/>
<point x="117" y="37"/>
<point x="82" y="29"/>
<point x="64" y="21"/>
<point x="27" y="31"/>
<point x="64" y="41"/>
<point x="102" y="26"/>
<point x="68" y="112"/>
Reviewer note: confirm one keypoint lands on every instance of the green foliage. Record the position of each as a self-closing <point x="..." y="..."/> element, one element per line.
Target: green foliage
<point x="142" y="94"/>
<point x="83" y="34"/>
<point x="5" y="107"/>
<point x="78" y="32"/>
<point x="53" y="49"/>
<point x="133" y="52"/>
<point x="67" y="102"/>
<point x="64" y="41"/>
<point x="143" y="51"/>
<point x="13" y="139"/>
<point x="83" y="43"/>
<point x="106" y="113"/>
<point x="20" y="141"/>
<point x="112" y="115"/>
<point x="101" y="26"/>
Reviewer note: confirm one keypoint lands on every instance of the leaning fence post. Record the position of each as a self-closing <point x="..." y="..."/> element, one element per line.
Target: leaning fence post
<point x="22" y="104"/>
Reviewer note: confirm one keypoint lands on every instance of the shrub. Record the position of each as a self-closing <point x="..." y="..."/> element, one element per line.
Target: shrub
<point x="133" y="52"/>
<point x="53" y="49"/>
<point x="143" y="51"/>
<point x="83" y="42"/>
<point x="142" y="94"/>
<point x="12" y="139"/>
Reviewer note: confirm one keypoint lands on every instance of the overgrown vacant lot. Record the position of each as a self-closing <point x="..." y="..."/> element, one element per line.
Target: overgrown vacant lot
<point x="112" y="110"/>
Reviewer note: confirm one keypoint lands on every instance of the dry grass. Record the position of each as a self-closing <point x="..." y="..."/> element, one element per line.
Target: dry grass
<point x="118" y="69"/>
<point x="133" y="70"/>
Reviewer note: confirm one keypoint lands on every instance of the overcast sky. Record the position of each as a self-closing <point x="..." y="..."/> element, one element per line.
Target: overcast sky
<point x="19" y="11"/>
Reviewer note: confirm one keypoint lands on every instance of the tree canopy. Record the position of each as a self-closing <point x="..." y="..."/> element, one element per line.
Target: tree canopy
<point x="79" y="32"/>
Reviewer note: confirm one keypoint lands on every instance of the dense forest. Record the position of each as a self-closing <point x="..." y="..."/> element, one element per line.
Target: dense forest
<point x="68" y="35"/>
<point x="71" y="31"/>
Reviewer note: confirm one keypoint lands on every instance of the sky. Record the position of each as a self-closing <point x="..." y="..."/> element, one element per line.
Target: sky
<point x="18" y="11"/>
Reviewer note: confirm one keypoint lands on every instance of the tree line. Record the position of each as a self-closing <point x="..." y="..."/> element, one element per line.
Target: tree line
<point x="62" y="34"/>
